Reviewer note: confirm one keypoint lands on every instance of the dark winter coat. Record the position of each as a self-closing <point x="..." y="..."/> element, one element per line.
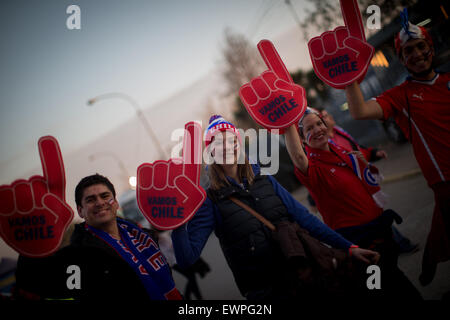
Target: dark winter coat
<point x="104" y="275"/>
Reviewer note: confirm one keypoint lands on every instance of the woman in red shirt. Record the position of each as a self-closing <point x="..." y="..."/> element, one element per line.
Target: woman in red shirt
<point x="343" y="198"/>
<point x="345" y="188"/>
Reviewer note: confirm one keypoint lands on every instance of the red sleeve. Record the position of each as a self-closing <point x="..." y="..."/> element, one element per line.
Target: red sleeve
<point x="309" y="178"/>
<point x="385" y="104"/>
<point x="367" y="153"/>
<point x="391" y="101"/>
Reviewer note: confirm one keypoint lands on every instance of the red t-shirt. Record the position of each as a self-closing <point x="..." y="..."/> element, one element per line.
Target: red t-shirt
<point x="339" y="194"/>
<point x="429" y="110"/>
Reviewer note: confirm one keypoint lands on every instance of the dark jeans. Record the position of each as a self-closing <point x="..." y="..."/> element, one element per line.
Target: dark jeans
<point x="442" y="199"/>
<point x="437" y="248"/>
<point x="377" y="236"/>
<point x="394" y="283"/>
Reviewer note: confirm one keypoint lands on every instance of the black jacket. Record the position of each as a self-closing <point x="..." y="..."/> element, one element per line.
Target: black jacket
<point x="254" y="258"/>
<point x="104" y="275"/>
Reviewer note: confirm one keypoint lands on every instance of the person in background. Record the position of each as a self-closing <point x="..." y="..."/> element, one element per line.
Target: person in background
<point x="343" y="139"/>
<point x="7" y="277"/>
<point x="200" y="266"/>
<point x="420" y="107"/>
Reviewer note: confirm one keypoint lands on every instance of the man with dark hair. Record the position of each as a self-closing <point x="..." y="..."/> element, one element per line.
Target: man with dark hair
<point x="95" y="197"/>
<point x="420" y="106"/>
<point x="89" y="181"/>
<point x="115" y="260"/>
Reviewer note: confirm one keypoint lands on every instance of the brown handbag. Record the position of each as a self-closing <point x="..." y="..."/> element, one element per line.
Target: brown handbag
<point x="319" y="268"/>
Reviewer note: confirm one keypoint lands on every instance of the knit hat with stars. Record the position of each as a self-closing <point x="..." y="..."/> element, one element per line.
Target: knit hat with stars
<point x="218" y="123"/>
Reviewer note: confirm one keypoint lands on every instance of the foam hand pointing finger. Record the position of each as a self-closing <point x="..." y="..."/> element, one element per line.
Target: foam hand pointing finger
<point x="169" y="192"/>
<point x="342" y="56"/>
<point x="272" y="99"/>
<point x="34" y="213"/>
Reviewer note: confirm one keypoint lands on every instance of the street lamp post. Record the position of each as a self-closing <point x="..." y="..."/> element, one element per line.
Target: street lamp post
<point x="139" y="114"/>
<point x="122" y="167"/>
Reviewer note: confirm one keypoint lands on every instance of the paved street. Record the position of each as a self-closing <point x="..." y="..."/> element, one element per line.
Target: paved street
<point x="408" y="195"/>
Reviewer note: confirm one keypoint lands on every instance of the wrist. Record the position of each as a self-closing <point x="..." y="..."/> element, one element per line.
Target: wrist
<point x="353" y="246"/>
<point x="373" y="155"/>
<point x="352" y="86"/>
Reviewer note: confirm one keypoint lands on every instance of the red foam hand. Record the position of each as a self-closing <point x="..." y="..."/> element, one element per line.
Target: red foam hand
<point x="272" y="99"/>
<point x="342" y="56"/>
<point x="34" y="213"/>
<point x="169" y="192"/>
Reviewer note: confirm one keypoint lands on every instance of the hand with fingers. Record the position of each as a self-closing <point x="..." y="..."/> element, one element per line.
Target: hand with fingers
<point x="273" y="99"/>
<point x="34" y="213"/>
<point x="169" y="192"/>
<point x="364" y="255"/>
<point x="342" y="56"/>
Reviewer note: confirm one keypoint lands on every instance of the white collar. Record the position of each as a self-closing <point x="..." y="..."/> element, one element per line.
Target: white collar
<point x="428" y="82"/>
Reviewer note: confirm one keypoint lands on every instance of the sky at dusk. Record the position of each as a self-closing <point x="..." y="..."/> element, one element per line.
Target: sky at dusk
<point x="149" y="50"/>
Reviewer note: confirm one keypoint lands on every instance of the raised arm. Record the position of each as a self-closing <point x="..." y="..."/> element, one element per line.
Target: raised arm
<point x="360" y="109"/>
<point x="189" y="239"/>
<point x="295" y="148"/>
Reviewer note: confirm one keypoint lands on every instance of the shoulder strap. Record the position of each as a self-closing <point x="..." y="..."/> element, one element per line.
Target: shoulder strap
<point x="266" y="222"/>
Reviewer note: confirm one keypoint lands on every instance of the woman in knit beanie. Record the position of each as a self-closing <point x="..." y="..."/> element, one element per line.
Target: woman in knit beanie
<point x="260" y="269"/>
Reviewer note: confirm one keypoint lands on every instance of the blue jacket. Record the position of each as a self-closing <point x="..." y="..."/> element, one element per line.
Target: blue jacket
<point x="190" y="239"/>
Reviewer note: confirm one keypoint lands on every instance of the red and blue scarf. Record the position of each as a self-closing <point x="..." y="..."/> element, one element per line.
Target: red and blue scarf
<point x="141" y="252"/>
<point x="367" y="173"/>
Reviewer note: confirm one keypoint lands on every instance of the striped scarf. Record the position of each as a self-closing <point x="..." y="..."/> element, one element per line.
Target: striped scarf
<point x="367" y="173"/>
<point x="139" y="250"/>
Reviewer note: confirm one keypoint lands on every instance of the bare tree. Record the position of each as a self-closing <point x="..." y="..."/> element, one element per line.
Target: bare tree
<point x="241" y="62"/>
<point x="326" y="14"/>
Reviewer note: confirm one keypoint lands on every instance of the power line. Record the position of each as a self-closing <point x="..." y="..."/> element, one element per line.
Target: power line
<point x="269" y="7"/>
<point x="252" y="23"/>
<point x="294" y="13"/>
